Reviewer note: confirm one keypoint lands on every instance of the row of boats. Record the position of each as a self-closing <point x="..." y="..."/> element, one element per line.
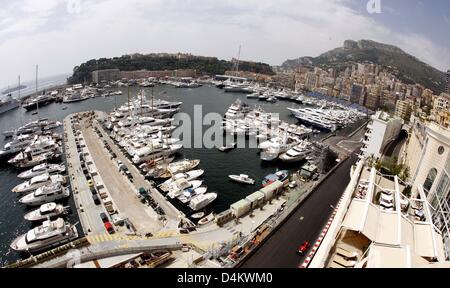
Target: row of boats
<point x="185" y="185"/>
<point x="142" y="129"/>
<point x="36" y="151"/>
<point x="329" y="116"/>
<point x="44" y="187"/>
<point x="327" y="119"/>
<point x="277" y="139"/>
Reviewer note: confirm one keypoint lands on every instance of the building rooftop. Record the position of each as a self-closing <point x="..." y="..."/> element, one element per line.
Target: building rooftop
<point x="383" y="228"/>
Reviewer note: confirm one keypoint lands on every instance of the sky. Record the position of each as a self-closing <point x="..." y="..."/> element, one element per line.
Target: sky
<point x="60" y="34"/>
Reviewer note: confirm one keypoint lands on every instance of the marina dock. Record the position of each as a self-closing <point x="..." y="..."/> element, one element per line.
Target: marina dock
<point x="121" y="192"/>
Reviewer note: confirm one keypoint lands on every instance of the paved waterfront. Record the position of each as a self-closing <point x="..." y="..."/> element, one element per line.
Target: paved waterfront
<point x="87" y="210"/>
<point x="279" y="251"/>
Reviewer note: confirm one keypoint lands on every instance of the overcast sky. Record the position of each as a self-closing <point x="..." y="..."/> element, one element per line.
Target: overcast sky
<point x="60" y="34"/>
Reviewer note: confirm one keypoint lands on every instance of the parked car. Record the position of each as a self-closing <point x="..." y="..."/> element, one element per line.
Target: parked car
<point x="109" y="228"/>
<point x="293" y="184"/>
<point x="96" y="199"/>
<point x="104" y="217"/>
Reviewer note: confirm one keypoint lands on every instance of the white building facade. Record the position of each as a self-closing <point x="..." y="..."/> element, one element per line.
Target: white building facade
<point x="381" y="131"/>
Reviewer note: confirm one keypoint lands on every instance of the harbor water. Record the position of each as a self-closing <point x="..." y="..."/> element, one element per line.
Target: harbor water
<point x="217" y="165"/>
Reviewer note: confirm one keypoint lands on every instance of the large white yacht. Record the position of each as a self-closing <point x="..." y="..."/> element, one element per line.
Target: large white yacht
<point x="16" y="145"/>
<point x="42" y="169"/>
<point x="37" y="182"/>
<point x="178" y="187"/>
<point x="49" y="235"/>
<point x="238" y="110"/>
<point x="154" y="152"/>
<point x="188" y="176"/>
<point x="296" y="154"/>
<point x="33" y="127"/>
<point x="42" y="145"/>
<point x="202" y="200"/>
<point x="24" y="160"/>
<point x="48" y="210"/>
<point x="48" y="193"/>
<point x="27" y="161"/>
<point x="190" y="193"/>
<point x="315" y="117"/>
<point x="183" y="166"/>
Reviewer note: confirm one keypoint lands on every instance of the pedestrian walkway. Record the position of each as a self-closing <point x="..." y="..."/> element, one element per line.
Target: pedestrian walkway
<point x="105" y="237"/>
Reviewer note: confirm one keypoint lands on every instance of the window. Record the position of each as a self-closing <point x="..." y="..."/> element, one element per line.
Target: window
<point x="443" y="186"/>
<point x="441" y="150"/>
<point x="430" y="180"/>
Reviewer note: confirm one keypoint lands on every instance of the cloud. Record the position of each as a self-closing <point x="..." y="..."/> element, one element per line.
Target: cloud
<point x="269" y="31"/>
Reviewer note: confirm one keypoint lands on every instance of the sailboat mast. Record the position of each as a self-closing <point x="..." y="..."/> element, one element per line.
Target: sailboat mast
<point x="152" y="102"/>
<point x="142" y="95"/>
<point x="20" y="101"/>
<point x="37" y="102"/>
<point x="238" y="60"/>
<point x="128" y="97"/>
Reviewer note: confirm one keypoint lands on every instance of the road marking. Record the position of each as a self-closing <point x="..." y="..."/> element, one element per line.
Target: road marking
<point x="302" y="218"/>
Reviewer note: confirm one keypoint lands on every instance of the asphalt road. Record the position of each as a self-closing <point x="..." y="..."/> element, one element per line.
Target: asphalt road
<point x="306" y="224"/>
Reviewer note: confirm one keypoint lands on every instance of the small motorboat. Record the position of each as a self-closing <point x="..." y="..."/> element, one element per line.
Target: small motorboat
<point x="227" y="147"/>
<point x="206" y="220"/>
<point x="198" y="215"/>
<point x="245" y="179"/>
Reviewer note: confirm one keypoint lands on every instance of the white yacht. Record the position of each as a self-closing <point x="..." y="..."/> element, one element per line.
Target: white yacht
<point x="315" y="117"/>
<point x="16" y="145"/>
<point x="245" y="179"/>
<point x="201" y="201"/>
<point x="41" y="145"/>
<point x="228" y="147"/>
<point x="49" y="235"/>
<point x="154" y="152"/>
<point x="188" y="176"/>
<point x="177" y="188"/>
<point x="49" y="193"/>
<point x="183" y="166"/>
<point x="48" y="210"/>
<point x="23" y="160"/>
<point x="237" y="87"/>
<point x="34" y="127"/>
<point x="189" y="194"/>
<point x="296" y="154"/>
<point x="271" y="149"/>
<point x="71" y="97"/>
<point x="42" y="169"/>
<point x="37" y="182"/>
<point x="238" y="110"/>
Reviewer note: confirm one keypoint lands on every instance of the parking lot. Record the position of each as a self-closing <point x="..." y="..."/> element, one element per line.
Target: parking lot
<point x="120" y="183"/>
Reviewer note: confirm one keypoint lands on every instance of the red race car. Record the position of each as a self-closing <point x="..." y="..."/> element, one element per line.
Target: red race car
<point x="303" y="248"/>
